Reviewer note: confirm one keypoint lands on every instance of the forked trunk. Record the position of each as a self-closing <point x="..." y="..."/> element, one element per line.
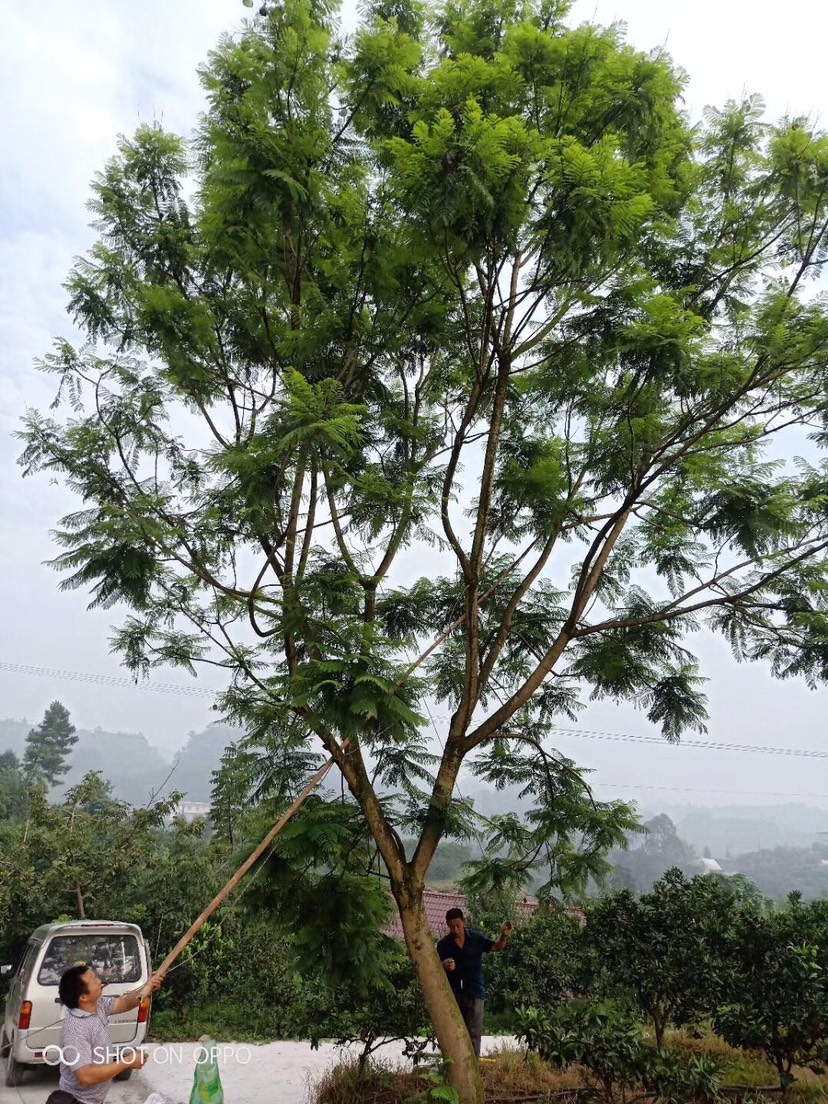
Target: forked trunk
<point x="452" y="1036"/>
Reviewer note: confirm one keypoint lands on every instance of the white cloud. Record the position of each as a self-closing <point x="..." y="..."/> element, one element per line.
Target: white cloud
<point x="731" y="47"/>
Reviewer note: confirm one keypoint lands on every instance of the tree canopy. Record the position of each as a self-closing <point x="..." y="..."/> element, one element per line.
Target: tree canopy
<point x="666" y="949"/>
<point x="48" y="746"/>
<point x="455" y="326"/>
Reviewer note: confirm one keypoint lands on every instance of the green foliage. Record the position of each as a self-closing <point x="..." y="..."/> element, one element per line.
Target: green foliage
<point x="48" y="746"/>
<point x="779" y="996"/>
<point x="660" y="850"/>
<point x="53" y="858"/>
<point x="604" y="1039"/>
<point x="317" y="883"/>
<point x="351" y="1081"/>
<point x="687" y="950"/>
<point x="437" y="1091"/>
<point x="562" y="841"/>
<point x="448" y="863"/>
<point x="608" y="1043"/>
<point x="543" y="966"/>
<point x="667" y="951"/>
<point x="209" y="991"/>
<point x="690" y="951"/>
<point x="13" y="789"/>
<point x="392" y="1009"/>
<point x="160" y="875"/>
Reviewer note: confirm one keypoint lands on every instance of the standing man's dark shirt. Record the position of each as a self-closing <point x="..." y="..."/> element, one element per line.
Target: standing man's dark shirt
<point x="467" y="976"/>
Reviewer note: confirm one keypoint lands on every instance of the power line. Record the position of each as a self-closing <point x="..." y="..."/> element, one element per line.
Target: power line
<point x="676" y="789"/>
<point x="705" y="789"/>
<point x="710" y="745"/>
<point x="579" y="733"/>
<point x="108" y="680"/>
<point x="704" y="745"/>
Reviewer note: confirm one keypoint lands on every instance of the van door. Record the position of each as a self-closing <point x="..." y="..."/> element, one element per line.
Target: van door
<point x="18" y="986"/>
<point x="118" y="959"/>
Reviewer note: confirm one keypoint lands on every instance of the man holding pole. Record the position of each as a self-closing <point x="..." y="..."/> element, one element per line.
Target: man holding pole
<point x="461" y="953"/>
<point x="85" y="1032"/>
<point x="86" y="1067"/>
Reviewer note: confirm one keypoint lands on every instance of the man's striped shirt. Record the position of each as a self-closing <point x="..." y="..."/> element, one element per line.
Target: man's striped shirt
<point x="84" y="1041"/>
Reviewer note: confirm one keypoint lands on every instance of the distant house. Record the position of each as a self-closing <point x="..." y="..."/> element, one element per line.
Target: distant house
<point x="711" y="867"/>
<point x="193" y="810"/>
<point x="438" y="904"/>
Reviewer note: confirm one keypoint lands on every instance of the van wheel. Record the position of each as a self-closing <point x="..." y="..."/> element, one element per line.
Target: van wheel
<point x="14" y="1069"/>
<point x="124" y="1075"/>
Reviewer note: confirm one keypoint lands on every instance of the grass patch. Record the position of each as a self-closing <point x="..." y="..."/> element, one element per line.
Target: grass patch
<point x="508" y="1071"/>
<point x="508" y="1074"/>
<point x="738" y="1068"/>
<point x="376" y="1083"/>
<point x="500" y="1023"/>
<point x="219" y="1021"/>
<point x="813" y="1091"/>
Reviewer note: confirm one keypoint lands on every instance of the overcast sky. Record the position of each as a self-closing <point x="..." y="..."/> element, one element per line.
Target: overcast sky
<point x="76" y="73"/>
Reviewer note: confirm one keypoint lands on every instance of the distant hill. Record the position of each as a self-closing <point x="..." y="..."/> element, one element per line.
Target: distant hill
<point x="747" y="828"/>
<point x="199" y="757"/>
<point x="131" y="764"/>
<point x="779" y="870"/>
<point x="719" y="828"/>
<point x="126" y="759"/>
<point x="13" y="735"/>
<point x="136" y="769"/>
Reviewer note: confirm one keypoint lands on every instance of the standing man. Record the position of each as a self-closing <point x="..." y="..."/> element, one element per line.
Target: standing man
<point x="86" y="1068"/>
<point x="461" y="953"/>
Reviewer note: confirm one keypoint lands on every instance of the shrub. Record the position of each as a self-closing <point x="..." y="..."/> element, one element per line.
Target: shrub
<point x="541" y="967"/>
<point x="665" y="951"/>
<point x="779" y="1001"/>
<point x="608" y="1043"/>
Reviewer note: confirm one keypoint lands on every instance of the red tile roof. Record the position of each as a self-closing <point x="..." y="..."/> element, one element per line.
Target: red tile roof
<point x="438" y="904"/>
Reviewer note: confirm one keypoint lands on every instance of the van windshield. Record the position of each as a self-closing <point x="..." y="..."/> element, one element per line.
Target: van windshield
<point x="115" y="958"/>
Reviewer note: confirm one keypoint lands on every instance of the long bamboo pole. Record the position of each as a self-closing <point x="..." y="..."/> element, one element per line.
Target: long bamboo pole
<point x="224" y="893"/>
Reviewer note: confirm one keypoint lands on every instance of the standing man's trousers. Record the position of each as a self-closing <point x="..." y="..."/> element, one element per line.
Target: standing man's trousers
<point x="472" y="1010"/>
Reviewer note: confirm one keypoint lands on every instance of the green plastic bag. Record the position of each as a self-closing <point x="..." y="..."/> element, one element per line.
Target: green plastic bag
<point x="207" y="1083"/>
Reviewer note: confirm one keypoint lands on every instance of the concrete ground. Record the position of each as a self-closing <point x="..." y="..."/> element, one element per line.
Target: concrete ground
<point x="281" y="1073"/>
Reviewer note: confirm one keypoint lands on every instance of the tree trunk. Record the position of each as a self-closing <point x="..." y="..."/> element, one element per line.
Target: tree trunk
<point x="452" y="1036"/>
<point x="81" y="906"/>
<point x="660" y="1025"/>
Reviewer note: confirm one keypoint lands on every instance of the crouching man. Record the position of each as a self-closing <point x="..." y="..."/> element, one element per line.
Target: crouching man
<point x="86" y="1068"/>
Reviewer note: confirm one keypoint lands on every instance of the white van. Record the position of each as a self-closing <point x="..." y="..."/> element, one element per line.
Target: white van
<point x="117" y="952"/>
